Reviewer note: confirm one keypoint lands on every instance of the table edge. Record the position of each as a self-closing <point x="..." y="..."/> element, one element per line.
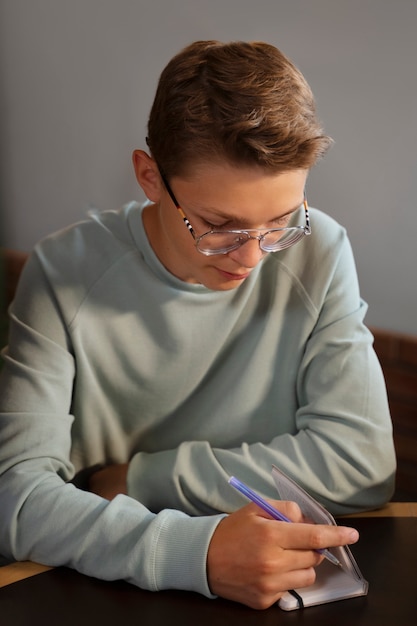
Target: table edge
<point x="14" y="572"/>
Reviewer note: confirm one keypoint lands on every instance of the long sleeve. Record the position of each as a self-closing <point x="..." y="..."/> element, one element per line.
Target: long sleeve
<point x="43" y="517"/>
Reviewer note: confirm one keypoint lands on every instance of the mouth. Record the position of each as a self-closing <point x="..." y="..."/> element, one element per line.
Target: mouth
<point x="231" y="276"/>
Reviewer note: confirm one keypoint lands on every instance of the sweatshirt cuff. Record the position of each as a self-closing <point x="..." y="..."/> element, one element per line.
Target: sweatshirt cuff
<point x="180" y="555"/>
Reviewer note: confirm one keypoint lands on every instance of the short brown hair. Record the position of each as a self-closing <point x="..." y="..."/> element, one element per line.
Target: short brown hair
<point x="243" y="102"/>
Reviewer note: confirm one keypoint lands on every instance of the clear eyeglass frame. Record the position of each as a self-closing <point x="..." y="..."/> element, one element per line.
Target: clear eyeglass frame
<point x="224" y="241"/>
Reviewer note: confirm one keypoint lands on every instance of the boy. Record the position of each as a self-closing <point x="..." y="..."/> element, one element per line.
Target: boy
<point x="158" y="349"/>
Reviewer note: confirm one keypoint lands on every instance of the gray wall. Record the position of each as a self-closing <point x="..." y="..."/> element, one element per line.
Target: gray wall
<point x="77" y="78"/>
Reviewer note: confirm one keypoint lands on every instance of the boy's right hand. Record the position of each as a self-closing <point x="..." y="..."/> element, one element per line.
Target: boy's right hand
<point x="253" y="559"/>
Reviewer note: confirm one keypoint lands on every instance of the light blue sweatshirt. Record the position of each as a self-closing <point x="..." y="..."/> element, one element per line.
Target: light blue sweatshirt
<point x="113" y="359"/>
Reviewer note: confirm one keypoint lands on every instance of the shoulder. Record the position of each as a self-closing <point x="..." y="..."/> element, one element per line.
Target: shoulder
<point x="319" y="260"/>
<point x="90" y="247"/>
<point x="326" y="231"/>
<point x="99" y="231"/>
<point x="323" y="246"/>
<point x="66" y="265"/>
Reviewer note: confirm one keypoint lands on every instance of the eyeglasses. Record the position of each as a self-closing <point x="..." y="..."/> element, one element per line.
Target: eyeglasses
<point x="225" y="241"/>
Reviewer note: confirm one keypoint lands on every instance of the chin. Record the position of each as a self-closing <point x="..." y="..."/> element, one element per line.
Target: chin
<point x="221" y="285"/>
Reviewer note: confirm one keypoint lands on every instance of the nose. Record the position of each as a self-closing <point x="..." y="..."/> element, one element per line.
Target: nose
<point x="249" y="254"/>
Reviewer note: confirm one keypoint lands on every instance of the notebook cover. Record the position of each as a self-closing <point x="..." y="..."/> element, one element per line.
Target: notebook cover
<point x="332" y="582"/>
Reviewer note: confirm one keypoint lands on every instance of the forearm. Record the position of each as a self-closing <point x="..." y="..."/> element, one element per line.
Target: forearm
<point x="194" y="477"/>
<point x="57" y="524"/>
<point x="46" y="519"/>
<point x="341" y="450"/>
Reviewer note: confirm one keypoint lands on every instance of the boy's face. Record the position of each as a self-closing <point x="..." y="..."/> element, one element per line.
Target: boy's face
<point x="219" y="197"/>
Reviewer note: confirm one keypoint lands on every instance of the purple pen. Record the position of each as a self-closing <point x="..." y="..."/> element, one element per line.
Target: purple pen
<point x="274" y="513"/>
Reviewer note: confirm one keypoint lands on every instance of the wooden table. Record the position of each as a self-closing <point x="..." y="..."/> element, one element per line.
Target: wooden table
<point x="392" y="509"/>
<point x="386" y="555"/>
<point x="24" y="569"/>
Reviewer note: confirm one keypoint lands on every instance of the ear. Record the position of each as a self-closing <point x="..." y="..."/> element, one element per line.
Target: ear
<point x="147" y="175"/>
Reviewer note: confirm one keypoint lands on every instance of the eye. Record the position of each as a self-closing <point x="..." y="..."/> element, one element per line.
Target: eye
<point x="212" y="226"/>
<point x="283" y="221"/>
<point x="218" y="226"/>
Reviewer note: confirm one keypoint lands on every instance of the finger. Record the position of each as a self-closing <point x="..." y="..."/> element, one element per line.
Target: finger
<point x="297" y="579"/>
<point x="316" y="536"/>
<point x="287" y="508"/>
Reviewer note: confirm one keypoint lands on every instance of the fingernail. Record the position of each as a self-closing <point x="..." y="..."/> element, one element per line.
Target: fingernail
<point x="353" y="536"/>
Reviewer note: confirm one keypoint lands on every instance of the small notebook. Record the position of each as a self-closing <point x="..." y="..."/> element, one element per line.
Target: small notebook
<point x="332" y="582"/>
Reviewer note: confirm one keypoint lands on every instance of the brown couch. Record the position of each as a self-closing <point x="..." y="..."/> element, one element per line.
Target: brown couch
<point x="11" y="264"/>
<point x="398" y="356"/>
